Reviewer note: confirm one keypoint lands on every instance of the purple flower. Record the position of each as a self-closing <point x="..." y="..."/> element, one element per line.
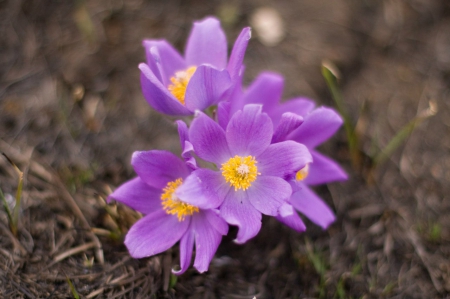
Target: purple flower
<point x="168" y="219"/>
<point x="318" y="125"/>
<point x="250" y="180"/>
<point x="175" y="85"/>
<point x="296" y="120"/>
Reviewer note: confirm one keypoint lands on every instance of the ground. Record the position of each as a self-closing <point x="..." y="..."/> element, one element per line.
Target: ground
<point x="72" y="113"/>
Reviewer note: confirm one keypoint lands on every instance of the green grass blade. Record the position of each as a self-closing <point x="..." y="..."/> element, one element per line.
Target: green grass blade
<point x="16" y="212"/>
<point x="404" y="132"/>
<point x="72" y="289"/>
<point x="331" y="80"/>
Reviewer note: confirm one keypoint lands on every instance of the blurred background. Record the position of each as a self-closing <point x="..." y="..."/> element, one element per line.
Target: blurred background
<point x="72" y="113"/>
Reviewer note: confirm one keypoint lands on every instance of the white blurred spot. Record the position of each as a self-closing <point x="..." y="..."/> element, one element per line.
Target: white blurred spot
<point x="268" y="25"/>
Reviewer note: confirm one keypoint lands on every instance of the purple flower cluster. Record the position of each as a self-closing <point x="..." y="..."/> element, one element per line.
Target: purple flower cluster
<point x="262" y="152"/>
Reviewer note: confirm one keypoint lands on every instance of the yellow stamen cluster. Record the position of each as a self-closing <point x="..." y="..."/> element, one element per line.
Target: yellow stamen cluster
<point x="302" y="173"/>
<point x="172" y="205"/>
<point x="180" y="82"/>
<point x="240" y="172"/>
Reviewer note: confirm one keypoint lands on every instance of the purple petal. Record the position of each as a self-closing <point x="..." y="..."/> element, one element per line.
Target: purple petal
<point x="318" y="126"/>
<point x="249" y="131"/>
<point x="283" y="159"/>
<point x="183" y="133"/>
<point x="186" y="247"/>
<point x="163" y="57"/>
<point x="312" y="206"/>
<point x="288" y="216"/>
<point x="208" y="139"/>
<point x="186" y="154"/>
<point x="237" y="54"/>
<point x="154" y="234"/>
<point x="266" y="90"/>
<point x="232" y="95"/>
<point x="207" y="239"/>
<point x="268" y="193"/>
<point x="204" y="188"/>
<point x="138" y="195"/>
<point x="157" y="94"/>
<point x="154" y="63"/>
<point x="216" y="221"/>
<point x="206" y="87"/>
<point x="237" y="210"/>
<point x="223" y="114"/>
<point x="299" y="106"/>
<point x="186" y="146"/>
<point x="157" y="168"/>
<point x="324" y="170"/>
<point x="207" y="44"/>
<point x="288" y="123"/>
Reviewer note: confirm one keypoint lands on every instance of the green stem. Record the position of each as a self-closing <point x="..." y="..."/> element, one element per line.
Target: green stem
<point x="401" y="136"/>
<point x="352" y="137"/>
<point x="15" y="219"/>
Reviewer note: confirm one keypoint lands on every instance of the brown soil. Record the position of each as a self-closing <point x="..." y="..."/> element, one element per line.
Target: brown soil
<point x="72" y="113"/>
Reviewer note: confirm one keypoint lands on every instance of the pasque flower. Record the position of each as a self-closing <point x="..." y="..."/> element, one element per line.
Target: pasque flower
<point x="167" y="218"/>
<point x="318" y="126"/>
<point x="298" y="120"/>
<point x="251" y="171"/>
<point x="177" y="85"/>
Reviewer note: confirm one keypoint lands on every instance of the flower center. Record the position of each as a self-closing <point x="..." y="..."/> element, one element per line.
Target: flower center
<point x="180" y="82"/>
<point x="172" y="205"/>
<point x="302" y="173"/>
<point x="240" y="172"/>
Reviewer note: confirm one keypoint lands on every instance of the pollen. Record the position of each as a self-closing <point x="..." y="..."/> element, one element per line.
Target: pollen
<point x="302" y="173"/>
<point x="180" y="82"/>
<point x="240" y="172"/>
<point x="174" y="206"/>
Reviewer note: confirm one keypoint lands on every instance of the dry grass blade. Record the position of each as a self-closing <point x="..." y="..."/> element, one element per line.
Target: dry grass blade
<point x="73" y="251"/>
<point x="121" y="263"/>
<point x="404" y="132"/>
<point x="423" y="255"/>
<point x="13" y="239"/>
<point x="95" y="293"/>
<point x="367" y="211"/>
<point x="22" y="289"/>
<point x="48" y="174"/>
<point x="415" y="241"/>
<point x="6" y="207"/>
<point x="70" y="201"/>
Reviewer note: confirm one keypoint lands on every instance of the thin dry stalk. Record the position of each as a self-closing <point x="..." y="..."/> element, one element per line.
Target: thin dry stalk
<point x="16" y="243"/>
<point x="95" y="293"/>
<point x="70" y="201"/>
<point x="73" y="251"/>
